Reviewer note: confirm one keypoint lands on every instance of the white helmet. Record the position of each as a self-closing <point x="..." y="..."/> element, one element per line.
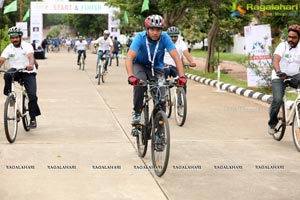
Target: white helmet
<point x="106" y="32"/>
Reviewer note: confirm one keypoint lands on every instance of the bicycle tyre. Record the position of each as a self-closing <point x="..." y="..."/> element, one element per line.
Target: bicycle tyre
<point x="83" y="63"/>
<point x="102" y="73"/>
<point x="99" y="73"/>
<point x="142" y="137"/>
<point x="281" y="125"/>
<point x="25" y="114"/>
<point x="160" y="144"/>
<point x="296" y="131"/>
<point x="180" y="108"/>
<point x="168" y="102"/>
<point x="10" y="118"/>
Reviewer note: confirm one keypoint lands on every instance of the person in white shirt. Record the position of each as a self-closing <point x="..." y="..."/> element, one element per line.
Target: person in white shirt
<point x="105" y="47"/>
<point x="81" y="46"/>
<point x="286" y="63"/>
<point x="182" y="49"/>
<point x="20" y="55"/>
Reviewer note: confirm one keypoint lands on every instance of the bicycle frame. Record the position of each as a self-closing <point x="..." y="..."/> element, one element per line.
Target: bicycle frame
<point x="289" y="116"/>
<point x="13" y="92"/>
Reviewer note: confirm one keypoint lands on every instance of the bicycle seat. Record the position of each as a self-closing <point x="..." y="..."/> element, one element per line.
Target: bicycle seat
<point x="21" y="82"/>
<point x="103" y="57"/>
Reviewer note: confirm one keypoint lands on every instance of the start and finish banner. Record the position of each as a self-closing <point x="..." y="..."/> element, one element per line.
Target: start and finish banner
<point x="258" y="40"/>
<point x="37" y="9"/>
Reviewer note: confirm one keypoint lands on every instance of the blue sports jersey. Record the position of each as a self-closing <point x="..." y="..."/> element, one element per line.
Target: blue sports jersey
<point x="139" y="46"/>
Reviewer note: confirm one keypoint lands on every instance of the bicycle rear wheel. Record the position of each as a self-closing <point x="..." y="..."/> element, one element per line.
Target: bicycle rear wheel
<point x="142" y="136"/>
<point x="10" y="118"/>
<point x="180" y="108"/>
<point x="25" y="114"/>
<point x="281" y="125"/>
<point x="296" y="130"/>
<point x="168" y="102"/>
<point x="160" y="144"/>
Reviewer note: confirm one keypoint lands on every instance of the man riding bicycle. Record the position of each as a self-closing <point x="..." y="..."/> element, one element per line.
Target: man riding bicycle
<point x="20" y="55"/>
<point x="145" y="59"/>
<point x="286" y="63"/>
<point x="105" y="47"/>
<point x="81" y="46"/>
<point x="181" y="47"/>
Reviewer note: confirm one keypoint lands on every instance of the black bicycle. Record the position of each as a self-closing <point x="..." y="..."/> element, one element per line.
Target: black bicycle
<point x="13" y="111"/>
<point x="154" y="127"/>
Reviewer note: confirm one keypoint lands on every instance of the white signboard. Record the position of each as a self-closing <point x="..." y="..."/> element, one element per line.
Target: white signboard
<point x="258" y="40"/>
<point x="23" y="26"/>
<point x="65" y="7"/>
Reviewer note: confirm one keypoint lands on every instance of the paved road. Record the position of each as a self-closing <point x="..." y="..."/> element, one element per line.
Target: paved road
<point x="82" y="148"/>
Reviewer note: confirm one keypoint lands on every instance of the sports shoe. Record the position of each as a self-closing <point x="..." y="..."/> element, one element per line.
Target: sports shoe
<point x="97" y="75"/>
<point x="271" y="131"/>
<point x="32" y="124"/>
<point x="78" y="63"/>
<point x="136" y="119"/>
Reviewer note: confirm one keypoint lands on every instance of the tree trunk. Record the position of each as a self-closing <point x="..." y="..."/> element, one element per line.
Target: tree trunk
<point x="212" y="36"/>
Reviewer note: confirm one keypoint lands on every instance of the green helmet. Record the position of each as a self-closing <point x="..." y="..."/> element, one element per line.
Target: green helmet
<point x="15" y="31"/>
<point x="173" y="31"/>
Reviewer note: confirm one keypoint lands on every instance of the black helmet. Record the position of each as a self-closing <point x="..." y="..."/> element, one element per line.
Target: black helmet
<point x="173" y="31"/>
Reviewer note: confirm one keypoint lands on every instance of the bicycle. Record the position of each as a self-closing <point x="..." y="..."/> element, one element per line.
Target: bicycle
<point x="13" y="111"/>
<point x="176" y="96"/>
<point x="154" y="127"/>
<point x="289" y="119"/>
<point x="82" y="62"/>
<point x="101" y="70"/>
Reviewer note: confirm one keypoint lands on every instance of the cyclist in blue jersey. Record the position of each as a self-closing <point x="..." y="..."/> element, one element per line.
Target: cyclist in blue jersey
<point x="145" y="59"/>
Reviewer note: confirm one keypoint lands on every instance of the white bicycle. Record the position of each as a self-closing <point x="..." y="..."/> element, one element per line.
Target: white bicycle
<point x="101" y="70"/>
<point x="289" y="118"/>
<point x="14" y="110"/>
<point x="175" y="96"/>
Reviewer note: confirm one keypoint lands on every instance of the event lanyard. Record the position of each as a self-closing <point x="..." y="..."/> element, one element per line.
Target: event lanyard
<point x="154" y="55"/>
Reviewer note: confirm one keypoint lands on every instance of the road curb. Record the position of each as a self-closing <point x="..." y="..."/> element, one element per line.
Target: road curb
<point x="231" y="88"/>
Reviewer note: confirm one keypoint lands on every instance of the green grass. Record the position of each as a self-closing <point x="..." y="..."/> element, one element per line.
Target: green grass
<point x="239" y="58"/>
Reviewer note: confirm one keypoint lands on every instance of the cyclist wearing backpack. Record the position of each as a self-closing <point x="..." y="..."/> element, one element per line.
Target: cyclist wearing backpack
<point x="20" y="54"/>
<point x="128" y="42"/>
<point x="145" y="59"/>
<point x="117" y="48"/>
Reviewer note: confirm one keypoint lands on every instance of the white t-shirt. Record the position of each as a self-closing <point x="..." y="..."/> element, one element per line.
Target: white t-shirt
<point x="290" y="59"/>
<point x="180" y="47"/>
<point x="18" y="57"/>
<point x="104" y="44"/>
<point x="81" y="45"/>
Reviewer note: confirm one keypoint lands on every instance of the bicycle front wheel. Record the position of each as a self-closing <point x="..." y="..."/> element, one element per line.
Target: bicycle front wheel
<point x="160" y="144"/>
<point x="281" y="125"/>
<point x="142" y="136"/>
<point x="180" y="106"/>
<point x="10" y="118"/>
<point x="83" y="63"/>
<point x="296" y="130"/>
<point x="25" y="112"/>
<point x="102" y="73"/>
<point x="99" y="74"/>
<point x="168" y="102"/>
